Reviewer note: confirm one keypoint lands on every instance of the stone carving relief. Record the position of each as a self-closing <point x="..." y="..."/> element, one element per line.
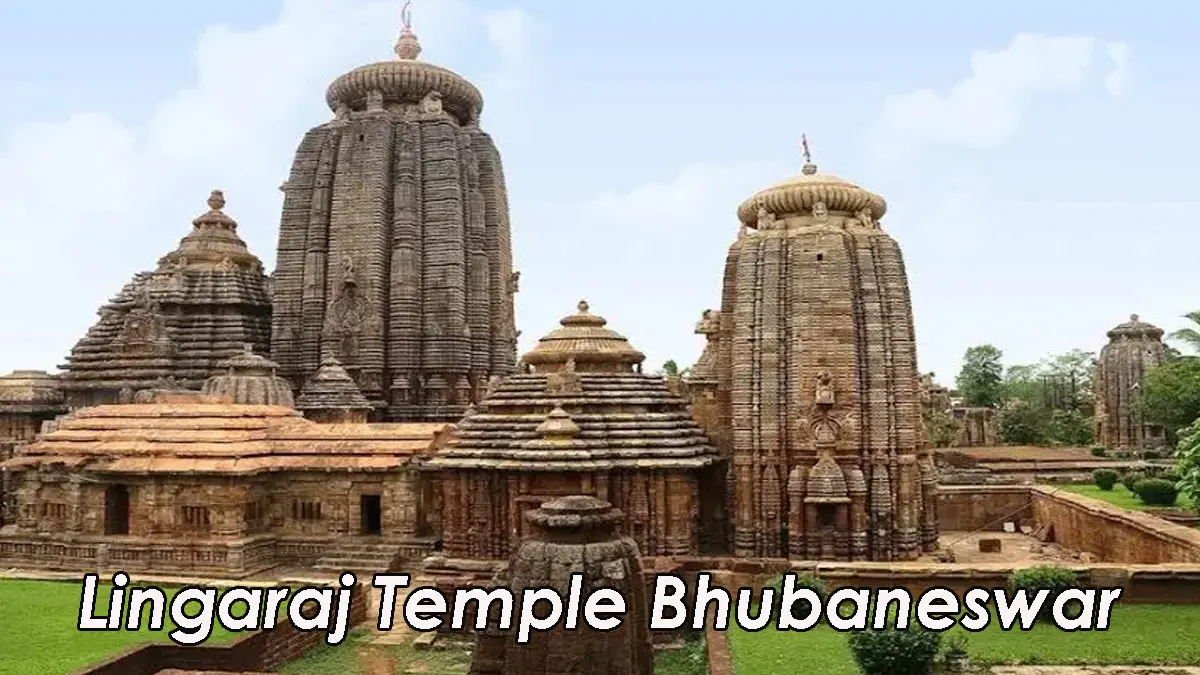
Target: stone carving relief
<point x="143" y="323"/>
<point x="514" y="283"/>
<point x="432" y="103"/>
<point x="866" y="219"/>
<point x="766" y="221"/>
<point x="350" y="313"/>
<point x="820" y="211"/>
<point x="824" y="395"/>
<point x="374" y="101"/>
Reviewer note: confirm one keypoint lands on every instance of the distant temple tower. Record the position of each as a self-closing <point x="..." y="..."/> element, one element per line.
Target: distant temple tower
<point x="172" y="328"/>
<point x="394" y="249"/>
<point x="818" y="380"/>
<point x="1134" y="347"/>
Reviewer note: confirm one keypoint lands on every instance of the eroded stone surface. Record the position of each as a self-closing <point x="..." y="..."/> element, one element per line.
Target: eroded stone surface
<point x="1134" y="347"/>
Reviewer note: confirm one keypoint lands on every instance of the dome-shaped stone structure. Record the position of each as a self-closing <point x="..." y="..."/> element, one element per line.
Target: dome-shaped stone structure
<point x="331" y="396"/>
<point x="574" y="535"/>
<point x="205" y="300"/>
<point x="583" y="419"/>
<point x="399" y="207"/>
<point x="1134" y="347"/>
<point x="250" y="379"/>
<point x="817" y="379"/>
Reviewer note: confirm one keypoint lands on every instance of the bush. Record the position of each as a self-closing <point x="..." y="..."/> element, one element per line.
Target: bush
<point x="1099" y="451"/>
<point x="1105" y="478"/>
<point x="1130" y="479"/>
<point x="1156" y="492"/>
<point x="1043" y="577"/>
<point x="912" y="651"/>
<point x="801" y="607"/>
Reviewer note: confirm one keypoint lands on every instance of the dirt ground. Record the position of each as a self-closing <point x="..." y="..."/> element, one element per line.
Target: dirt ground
<point x="1015" y="548"/>
<point x="1026" y="453"/>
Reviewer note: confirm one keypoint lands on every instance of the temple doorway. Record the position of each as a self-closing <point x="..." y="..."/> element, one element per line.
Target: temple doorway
<point x="372" y="514"/>
<point x="116" y="510"/>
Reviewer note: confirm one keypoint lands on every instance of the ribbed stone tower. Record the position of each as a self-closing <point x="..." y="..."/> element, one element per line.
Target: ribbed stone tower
<point x="1134" y="347"/>
<point x="394" y="248"/>
<point x="573" y="535"/>
<point x="172" y="328"/>
<point x="818" y="380"/>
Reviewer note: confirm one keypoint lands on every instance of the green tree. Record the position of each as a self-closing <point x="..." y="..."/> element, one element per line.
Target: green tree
<point x="1023" y="424"/>
<point x="1189" y="336"/>
<point x="1075" y="368"/>
<point x="1171" y="394"/>
<point x="941" y="427"/>
<point x="981" y="380"/>
<point x="672" y="369"/>
<point x="1187" y="462"/>
<point x="1022" y="383"/>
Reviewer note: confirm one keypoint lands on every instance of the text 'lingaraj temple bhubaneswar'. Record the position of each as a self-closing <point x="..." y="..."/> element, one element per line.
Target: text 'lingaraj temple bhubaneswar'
<point x="364" y="407"/>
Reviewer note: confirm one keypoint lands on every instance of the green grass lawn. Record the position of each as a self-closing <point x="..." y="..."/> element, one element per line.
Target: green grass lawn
<point x="1118" y="496"/>
<point x="1138" y="635"/>
<point x="38" y="634"/>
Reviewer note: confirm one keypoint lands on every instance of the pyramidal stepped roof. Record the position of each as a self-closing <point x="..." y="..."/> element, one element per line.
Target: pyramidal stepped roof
<point x="331" y="388"/>
<point x="205" y="300"/>
<point x="582" y="407"/>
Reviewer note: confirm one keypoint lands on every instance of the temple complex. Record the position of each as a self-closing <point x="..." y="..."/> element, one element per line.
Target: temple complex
<point x="394" y="245"/>
<point x="1133" y="348"/>
<point x="171" y="328"/>
<point x="818" y="380"/>
<point x="579" y="418"/>
<point x="977" y="427"/>
<point x="573" y="535"/>
<point x="229" y="484"/>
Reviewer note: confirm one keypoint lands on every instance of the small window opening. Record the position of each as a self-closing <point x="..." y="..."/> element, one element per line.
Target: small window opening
<point x="820" y="257"/>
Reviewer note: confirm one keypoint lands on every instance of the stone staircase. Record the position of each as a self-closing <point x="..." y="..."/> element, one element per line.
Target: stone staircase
<point x="359" y="556"/>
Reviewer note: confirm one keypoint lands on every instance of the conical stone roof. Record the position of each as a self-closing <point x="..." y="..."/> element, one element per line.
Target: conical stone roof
<point x="584" y="340"/>
<point x="30" y="391"/>
<point x="1135" y="328"/>
<point x="331" y="388"/>
<point x="250" y="379"/>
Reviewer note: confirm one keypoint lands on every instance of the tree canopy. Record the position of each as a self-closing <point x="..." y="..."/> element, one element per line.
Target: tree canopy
<point x="980" y="382"/>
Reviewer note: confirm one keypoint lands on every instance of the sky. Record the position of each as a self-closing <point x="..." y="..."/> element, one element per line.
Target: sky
<point x="1037" y="158"/>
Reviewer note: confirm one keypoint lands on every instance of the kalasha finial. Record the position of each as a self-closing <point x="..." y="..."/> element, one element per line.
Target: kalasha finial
<point x="407" y="47"/>
<point x="247" y="348"/>
<point x="1133" y="318"/>
<point x="216" y="200"/>
<point x="582" y="306"/>
<point x="809" y="167"/>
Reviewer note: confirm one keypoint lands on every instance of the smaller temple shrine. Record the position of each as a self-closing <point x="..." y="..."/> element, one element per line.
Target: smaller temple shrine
<point x="331" y="396"/>
<point x="28" y="399"/>
<point x="232" y="483"/>
<point x="579" y="418"/>
<point x="173" y="327"/>
<point x="573" y="535"/>
<point x="1133" y="348"/>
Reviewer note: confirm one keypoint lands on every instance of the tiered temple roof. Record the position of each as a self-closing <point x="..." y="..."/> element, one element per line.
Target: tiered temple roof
<point x="205" y="300"/>
<point x="618" y="417"/>
<point x="332" y="392"/>
<point x="209" y="436"/>
<point x="31" y="392"/>
<point x="398" y="205"/>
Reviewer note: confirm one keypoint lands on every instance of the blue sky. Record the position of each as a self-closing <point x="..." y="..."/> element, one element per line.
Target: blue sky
<point x="1037" y="160"/>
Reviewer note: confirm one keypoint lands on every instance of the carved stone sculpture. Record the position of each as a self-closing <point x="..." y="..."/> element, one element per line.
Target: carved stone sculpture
<point x="417" y="205"/>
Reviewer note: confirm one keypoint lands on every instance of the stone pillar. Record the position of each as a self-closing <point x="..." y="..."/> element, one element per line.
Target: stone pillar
<point x="574" y="535"/>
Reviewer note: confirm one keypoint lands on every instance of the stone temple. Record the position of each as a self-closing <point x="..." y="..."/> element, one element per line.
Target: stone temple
<point x="173" y="327"/>
<point x="1134" y="347"/>
<point x="394" y="248"/>
<point x="818" y="382"/>
<point x="581" y="419"/>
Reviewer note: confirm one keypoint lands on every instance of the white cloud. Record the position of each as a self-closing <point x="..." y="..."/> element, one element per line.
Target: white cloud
<point x="985" y="109"/>
<point x="1118" y="53"/>
<point x="93" y="199"/>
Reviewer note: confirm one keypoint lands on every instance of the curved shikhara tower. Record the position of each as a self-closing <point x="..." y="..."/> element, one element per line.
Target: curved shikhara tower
<point x="394" y="249"/>
<point x="1134" y="348"/>
<point x="817" y="380"/>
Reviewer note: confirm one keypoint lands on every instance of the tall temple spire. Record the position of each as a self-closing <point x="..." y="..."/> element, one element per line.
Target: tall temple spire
<point x="809" y="168"/>
<point x="407" y="47"/>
